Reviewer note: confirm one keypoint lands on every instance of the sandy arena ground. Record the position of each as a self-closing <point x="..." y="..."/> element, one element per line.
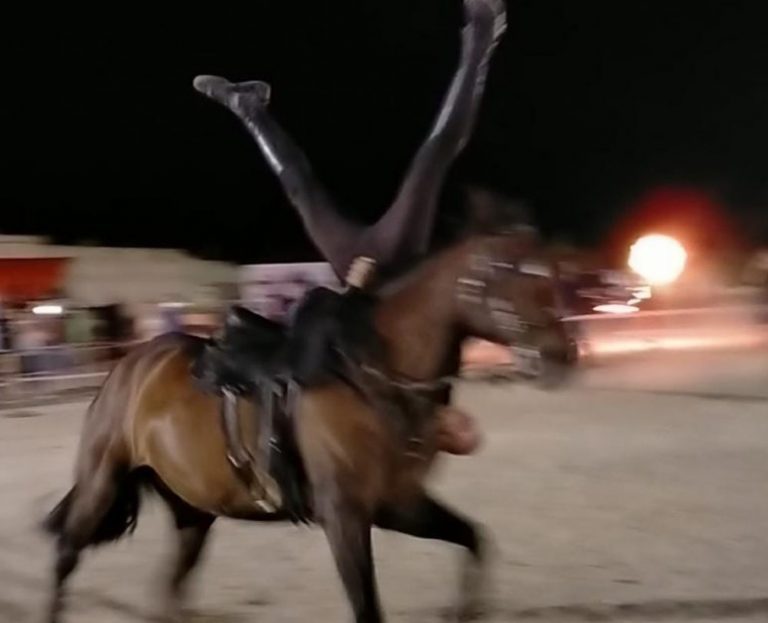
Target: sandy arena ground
<point x="637" y="495"/>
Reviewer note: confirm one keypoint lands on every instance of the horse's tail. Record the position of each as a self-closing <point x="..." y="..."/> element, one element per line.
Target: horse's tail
<point x="120" y="519"/>
<point x="55" y="520"/>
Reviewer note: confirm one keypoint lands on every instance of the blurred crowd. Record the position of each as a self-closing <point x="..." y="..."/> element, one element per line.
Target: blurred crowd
<point x="44" y="337"/>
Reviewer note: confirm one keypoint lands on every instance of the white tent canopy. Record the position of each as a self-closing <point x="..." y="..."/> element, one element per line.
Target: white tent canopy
<point x="106" y="275"/>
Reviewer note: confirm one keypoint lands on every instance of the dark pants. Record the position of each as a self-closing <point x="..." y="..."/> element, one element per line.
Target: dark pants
<point x="403" y="233"/>
<point x="326" y="327"/>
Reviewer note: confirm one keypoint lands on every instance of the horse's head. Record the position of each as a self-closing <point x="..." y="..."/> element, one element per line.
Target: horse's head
<point x="508" y="293"/>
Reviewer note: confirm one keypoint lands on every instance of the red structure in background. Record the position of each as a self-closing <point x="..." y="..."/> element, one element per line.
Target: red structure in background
<point x="28" y="279"/>
<point x="692" y="216"/>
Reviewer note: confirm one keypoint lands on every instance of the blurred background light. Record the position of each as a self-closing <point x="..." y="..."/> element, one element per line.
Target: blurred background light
<point x="657" y="258"/>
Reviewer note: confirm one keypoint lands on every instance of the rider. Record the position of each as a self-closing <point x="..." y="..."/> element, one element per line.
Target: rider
<point x="402" y="235"/>
<point x="404" y="232"/>
<point x="328" y="324"/>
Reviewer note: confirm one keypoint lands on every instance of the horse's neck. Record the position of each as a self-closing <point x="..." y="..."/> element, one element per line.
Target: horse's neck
<point x="418" y="321"/>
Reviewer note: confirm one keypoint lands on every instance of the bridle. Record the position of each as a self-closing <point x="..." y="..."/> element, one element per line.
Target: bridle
<point x="473" y="290"/>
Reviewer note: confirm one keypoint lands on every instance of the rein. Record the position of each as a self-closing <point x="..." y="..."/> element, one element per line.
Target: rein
<point x="473" y="288"/>
<point x="400" y="382"/>
<point x="412" y="434"/>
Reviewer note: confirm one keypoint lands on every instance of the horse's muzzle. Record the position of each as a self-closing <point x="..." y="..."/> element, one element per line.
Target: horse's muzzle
<point x="550" y="365"/>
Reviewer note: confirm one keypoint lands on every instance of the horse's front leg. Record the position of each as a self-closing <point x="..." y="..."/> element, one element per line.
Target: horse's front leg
<point x="349" y="535"/>
<point x="429" y="519"/>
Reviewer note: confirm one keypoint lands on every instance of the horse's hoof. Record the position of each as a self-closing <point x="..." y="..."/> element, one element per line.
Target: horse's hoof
<point x="474" y="588"/>
<point x="472" y="608"/>
<point x="171" y="610"/>
<point x="464" y="615"/>
<point x="175" y="613"/>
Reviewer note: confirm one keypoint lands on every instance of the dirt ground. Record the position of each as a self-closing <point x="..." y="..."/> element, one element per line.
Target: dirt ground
<point x="638" y="494"/>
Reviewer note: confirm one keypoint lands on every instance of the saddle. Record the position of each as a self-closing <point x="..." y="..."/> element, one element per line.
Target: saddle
<point x="247" y="348"/>
<point x="246" y="360"/>
<point x="253" y="358"/>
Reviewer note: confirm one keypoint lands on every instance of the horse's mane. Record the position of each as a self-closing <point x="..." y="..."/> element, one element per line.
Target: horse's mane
<point x="396" y="281"/>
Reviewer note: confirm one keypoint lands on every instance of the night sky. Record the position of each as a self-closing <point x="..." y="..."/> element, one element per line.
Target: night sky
<point x="590" y="107"/>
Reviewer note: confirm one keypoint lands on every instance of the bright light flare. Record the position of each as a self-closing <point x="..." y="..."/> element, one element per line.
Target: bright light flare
<point x="47" y="310"/>
<point x="616" y="308"/>
<point x="657" y="258"/>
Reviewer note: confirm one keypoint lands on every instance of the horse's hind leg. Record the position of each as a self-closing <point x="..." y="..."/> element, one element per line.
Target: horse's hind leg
<point x="429" y="519"/>
<point x="83" y="511"/>
<point x="192" y="527"/>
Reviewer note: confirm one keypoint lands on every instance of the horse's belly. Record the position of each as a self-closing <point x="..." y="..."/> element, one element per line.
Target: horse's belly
<point x="185" y="446"/>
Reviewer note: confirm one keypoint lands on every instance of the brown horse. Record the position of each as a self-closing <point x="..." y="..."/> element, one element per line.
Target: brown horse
<point x="152" y="426"/>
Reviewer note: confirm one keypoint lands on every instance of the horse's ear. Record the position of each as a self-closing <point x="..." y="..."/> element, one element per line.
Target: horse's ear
<point x="490" y="212"/>
<point x="480" y="208"/>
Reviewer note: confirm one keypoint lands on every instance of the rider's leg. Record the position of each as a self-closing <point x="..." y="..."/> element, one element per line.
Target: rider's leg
<point x="331" y="232"/>
<point x="405" y="229"/>
<point x="407" y="226"/>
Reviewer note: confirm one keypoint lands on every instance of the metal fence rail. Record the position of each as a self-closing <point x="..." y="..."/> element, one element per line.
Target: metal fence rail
<point x="56" y="371"/>
<point x="52" y="370"/>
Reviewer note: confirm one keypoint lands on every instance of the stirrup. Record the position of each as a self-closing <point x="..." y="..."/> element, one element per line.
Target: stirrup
<point x="236" y="452"/>
<point x="264" y="494"/>
<point x="269" y="499"/>
<point x="265" y="506"/>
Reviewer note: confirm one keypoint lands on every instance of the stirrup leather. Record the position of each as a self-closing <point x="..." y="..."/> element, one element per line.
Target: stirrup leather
<point x="265" y="493"/>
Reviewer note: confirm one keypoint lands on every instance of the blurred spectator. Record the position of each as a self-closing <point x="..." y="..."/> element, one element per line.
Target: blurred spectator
<point x="6" y="342"/>
<point x="117" y="327"/>
<point x="79" y="326"/>
<point x="171" y="316"/>
<point x="149" y="322"/>
<point x="31" y="341"/>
